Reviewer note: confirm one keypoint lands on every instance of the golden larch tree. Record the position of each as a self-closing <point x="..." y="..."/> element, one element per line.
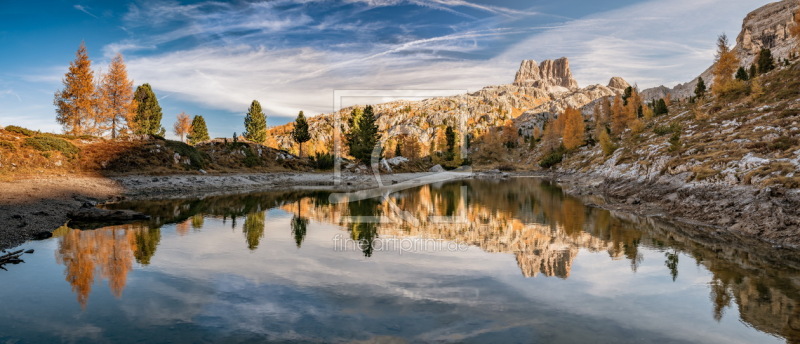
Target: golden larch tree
<point x="75" y="104"/>
<point x="618" y="116"/>
<point x="183" y="125"/>
<point x="574" y="128"/>
<point x="794" y="31"/>
<point x="115" y="104"/>
<point x="631" y="117"/>
<point x="552" y="134"/>
<point x="725" y="66"/>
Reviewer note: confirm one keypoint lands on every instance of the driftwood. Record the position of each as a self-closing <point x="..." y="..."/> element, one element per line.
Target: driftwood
<point x="12" y="258"/>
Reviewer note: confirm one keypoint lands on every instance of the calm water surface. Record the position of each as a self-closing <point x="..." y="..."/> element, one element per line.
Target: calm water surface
<point x="510" y="261"/>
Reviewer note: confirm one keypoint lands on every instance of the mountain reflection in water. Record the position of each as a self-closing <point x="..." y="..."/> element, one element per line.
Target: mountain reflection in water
<point x="531" y="219"/>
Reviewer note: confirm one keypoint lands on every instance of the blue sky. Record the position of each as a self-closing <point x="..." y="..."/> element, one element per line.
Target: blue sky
<point x="213" y="58"/>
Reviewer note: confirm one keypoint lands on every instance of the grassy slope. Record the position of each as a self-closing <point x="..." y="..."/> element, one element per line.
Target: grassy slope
<point x="24" y="153"/>
<point x="715" y="136"/>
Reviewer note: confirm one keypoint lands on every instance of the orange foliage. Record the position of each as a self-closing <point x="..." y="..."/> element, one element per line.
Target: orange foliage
<point x="108" y="251"/>
<point x="183" y="125"/>
<point x="75" y="104"/>
<point x="574" y="128"/>
<point x="795" y="30"/>
<point x="725" y="66"/>
<point x="618" y="116"/>
<point x="115" y="104"/>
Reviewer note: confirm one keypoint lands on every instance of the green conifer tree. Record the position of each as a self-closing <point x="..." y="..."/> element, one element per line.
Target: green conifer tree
<point x="363" y="134"/>
<point x="199" y="131"/>
<point x="300" y="132"/>
<point x="147" y="119"/>
<point x="765" y="61"/>
<point x="450" y="136"/>
<point x="700" y="89"/>
<point x="741" y="74"/>
<point x="255" y="123"/>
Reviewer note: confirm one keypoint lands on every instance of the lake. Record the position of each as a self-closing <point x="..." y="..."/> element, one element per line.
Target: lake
<point x="472" y="261"/>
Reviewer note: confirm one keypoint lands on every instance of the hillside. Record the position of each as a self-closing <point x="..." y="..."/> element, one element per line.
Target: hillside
<point x="24" y="153"/>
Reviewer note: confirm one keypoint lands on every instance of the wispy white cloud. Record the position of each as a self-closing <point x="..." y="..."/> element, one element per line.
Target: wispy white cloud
<point x="651" y="43"/>
<point x="647" y="43"/>
<point x="124" y="46"/>
<point x="10" y="93"/>
<point x="84" y="9"/>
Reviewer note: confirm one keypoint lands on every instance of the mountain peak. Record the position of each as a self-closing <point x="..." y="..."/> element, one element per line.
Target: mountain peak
<point x="549" y="74"/>
<point x="618" y="83"/>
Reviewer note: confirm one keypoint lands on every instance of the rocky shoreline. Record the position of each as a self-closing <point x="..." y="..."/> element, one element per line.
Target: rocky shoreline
<point x="769" y="214"/>
<point x="32" y="208"/>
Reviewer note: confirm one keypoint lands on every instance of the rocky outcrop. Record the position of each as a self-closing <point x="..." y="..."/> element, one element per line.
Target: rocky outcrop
<point x="767" y="27"/>
<point x="552" y="75"/>
<point x="655" y="93"/>
<point x="618" y="83"/>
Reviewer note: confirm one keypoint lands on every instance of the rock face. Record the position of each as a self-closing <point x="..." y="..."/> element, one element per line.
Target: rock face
<point x="550" y="75"/>
<point x="618" y="83"/>
<point x="767" y="27"/>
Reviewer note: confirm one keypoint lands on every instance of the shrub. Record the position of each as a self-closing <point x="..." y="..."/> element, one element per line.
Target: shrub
<point x="7" y="146"/>
<point x="552" y="158"/>
<point x="606" y="143"/>
<point x="675" y="142"/>
<point x="783" y="143"/>
<point x="667" y="129"/>
<point x="48" y="143"/>
<point x="197" y="159"/>
<point x="323" y="161"/>
<point x="20" y="130"/>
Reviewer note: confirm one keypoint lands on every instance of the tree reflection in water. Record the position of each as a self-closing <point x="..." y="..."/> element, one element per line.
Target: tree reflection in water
<point x="253" y="229"/>
<point x="106" y="253"/>
<point x="533" y="220"/>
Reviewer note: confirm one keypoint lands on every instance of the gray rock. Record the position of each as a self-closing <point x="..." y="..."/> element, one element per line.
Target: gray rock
<point x="437" y="168"/>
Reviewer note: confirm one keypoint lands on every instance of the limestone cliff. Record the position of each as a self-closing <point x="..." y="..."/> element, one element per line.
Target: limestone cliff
<point x="551" y="75"/>
<point x="540" y="91"/>
<point x="766" y="27"/>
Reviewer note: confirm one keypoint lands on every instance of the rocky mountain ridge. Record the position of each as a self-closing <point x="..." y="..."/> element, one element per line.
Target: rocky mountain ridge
<point x="766" y="27"/>
<point x="539" y="91"/>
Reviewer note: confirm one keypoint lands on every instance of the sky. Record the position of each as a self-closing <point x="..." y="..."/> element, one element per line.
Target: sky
<point x="212" y="58"/>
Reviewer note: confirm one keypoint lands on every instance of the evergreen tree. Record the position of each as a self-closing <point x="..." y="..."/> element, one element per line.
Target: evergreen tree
<point x="75" y="104"/>
<point x="147" y="119"/>
<point x="626" y="95"/>
<point x="660" y="107"/>
<point x="255" y="123"/>
<point x="765" y="61"/>
<point x="300" y="132"/>
<point x="363" y="134"/>
<point x="398" y="149"/>
<point x="115" y="103"/>
<point x="741" y="74"/>
<point x="199" y="131"/>
<point x="450" y="136"/>
<point x="753" y="71"/>
<point x="700" y="89"/>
